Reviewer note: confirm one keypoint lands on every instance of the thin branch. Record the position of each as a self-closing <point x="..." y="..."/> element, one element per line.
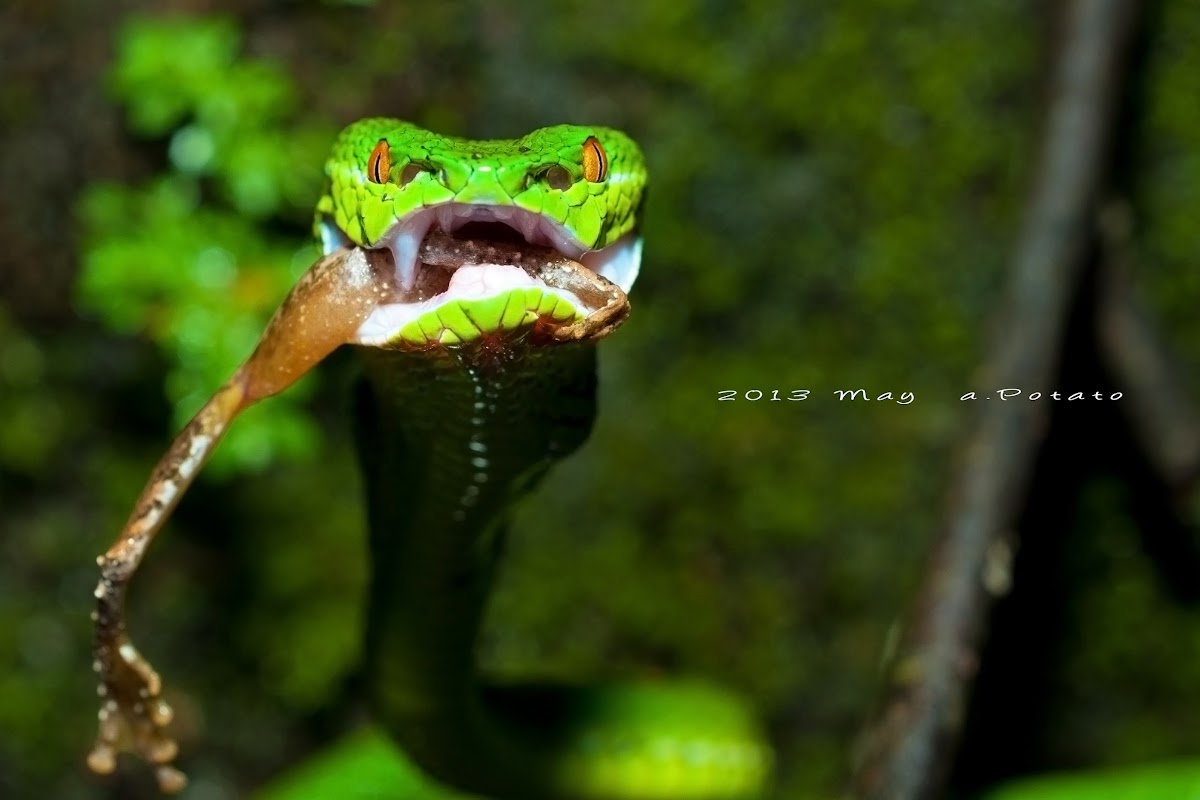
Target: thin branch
<point x="909" y="748"/>
<point x="1156" y="402"/>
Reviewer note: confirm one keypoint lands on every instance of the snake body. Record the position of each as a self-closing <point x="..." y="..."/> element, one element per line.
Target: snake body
<point x="452" y="434"/>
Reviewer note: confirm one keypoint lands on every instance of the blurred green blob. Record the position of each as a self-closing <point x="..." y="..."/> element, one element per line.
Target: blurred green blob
<point x="34" y="418"/>
<point x="168" y="65"/>
<point x="188" y="266"/>
<point x="1163" y="230"/>
<point x="171" y="70"/>
<point x="216" y="267"/>
<point x="1173" y="781"/>
<point x="192" y="149"/>
<point x="21" y="360"/>
<point x="228" y="118"/>
<point x="199" y="282"/>
<point x="364" y="766"/>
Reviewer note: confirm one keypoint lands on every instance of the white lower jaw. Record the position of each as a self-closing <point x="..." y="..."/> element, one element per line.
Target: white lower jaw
<point x="475" y="282"/>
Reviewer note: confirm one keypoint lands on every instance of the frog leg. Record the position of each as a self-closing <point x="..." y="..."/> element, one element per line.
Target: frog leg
<point x="323" y="310"/>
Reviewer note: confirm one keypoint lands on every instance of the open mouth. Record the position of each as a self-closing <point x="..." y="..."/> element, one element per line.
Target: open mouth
<point x="463" y="271"/>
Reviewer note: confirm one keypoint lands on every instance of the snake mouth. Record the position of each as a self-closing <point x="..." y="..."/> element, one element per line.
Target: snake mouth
<point x="453" y="254"/>
<point x="618" y="262"/>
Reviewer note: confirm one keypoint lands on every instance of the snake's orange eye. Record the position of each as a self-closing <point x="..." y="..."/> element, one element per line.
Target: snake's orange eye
<point x="380" y="163"/>
<point x="595" y="160"/>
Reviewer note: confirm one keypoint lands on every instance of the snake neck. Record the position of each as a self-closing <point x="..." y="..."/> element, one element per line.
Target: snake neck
<point x="449" y="440"/>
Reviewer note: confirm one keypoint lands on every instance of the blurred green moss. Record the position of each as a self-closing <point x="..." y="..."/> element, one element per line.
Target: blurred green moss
<point x="1169" y="781"/>
<point x="186" y="258"/>
<point x="1165" y="175"/>
<point x="34" y="421"/>
<point x="364" y="766"/>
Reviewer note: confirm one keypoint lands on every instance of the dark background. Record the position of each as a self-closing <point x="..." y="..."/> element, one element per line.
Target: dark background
<point x="835" y="190"/>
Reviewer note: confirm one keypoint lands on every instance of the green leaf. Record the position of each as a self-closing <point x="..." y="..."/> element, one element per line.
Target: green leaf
<point x="364" y="766"/>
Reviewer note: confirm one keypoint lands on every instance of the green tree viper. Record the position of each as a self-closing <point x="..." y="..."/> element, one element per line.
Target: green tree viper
<point x="474" y="277"/>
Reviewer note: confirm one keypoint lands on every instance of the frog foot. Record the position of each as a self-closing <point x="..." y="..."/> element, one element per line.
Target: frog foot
<point x="133" y="716"/>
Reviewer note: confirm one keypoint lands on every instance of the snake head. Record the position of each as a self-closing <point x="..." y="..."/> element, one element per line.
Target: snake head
<point x="568" y="191"/>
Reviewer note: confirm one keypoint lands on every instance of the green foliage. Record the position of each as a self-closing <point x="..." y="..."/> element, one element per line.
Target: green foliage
<point x="1111" y="709"/>
<point x="34" y="420"/>
<point x="184" y="258"/>
<point x="1166" y="181"/>
<point x="364" y="766"/>
<point x="228" y="117"/>
<point x="1172" y="781"/>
